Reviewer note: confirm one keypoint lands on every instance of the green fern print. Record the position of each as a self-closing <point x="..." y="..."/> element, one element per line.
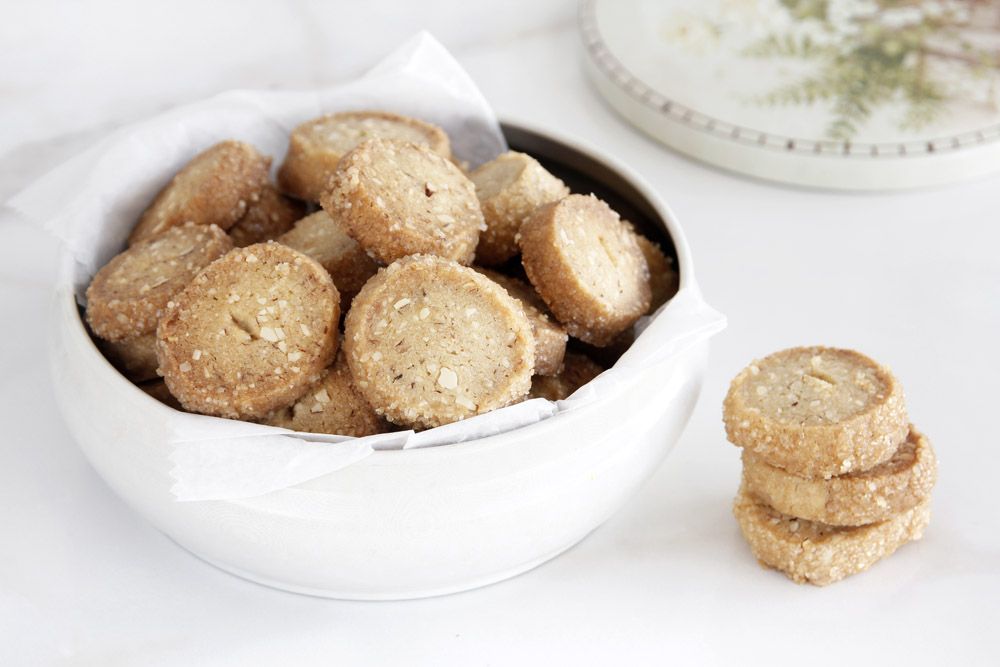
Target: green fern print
<point x="873" y="53"/>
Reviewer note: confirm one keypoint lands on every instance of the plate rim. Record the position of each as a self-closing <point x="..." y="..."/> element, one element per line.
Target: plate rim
<point x="601" y="56"/>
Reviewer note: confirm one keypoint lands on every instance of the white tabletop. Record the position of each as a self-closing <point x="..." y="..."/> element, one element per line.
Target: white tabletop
<point x="911" y="279"/>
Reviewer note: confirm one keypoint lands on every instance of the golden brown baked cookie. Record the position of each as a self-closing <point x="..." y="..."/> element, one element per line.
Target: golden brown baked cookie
<point x="214" y="188"/>
<point x="398" y="199"/>
<point x="135" y="357"/>
<point x="326" y="240"/>
<point x="663" y="282"/>
<point x="854" y="499"/>
<point x="587" y="266"/>
<point x="431" y="342"/>
<point x="251" y="333"/>
<point x="128" y="295"/>
<point x="510" y="188"/>
<point x="577" y="371"/>
<point x="816" y="411"/>
<point x="268" y="216"/>
<point x="550" y="337"/>
<point x="158" y="390"/>
<point x="332" y="405"/>
<point x="316" y="146"/>
<point x="663" y="277"/>
<point x="816" y="553"/>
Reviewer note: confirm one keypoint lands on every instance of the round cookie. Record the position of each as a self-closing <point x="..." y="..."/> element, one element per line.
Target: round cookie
<point x="816" y="553"/>
<point x="816" y="411"/>
<point x="316" y="146"/>
<point x="663" y="277"/>
<point x="663" y="283"/>
<point x="510" y="188"/>
<point x="577" y="371"/>
<point x="250" y="334"/>
<point x="333" y="405"/>
<point x="587" y="266"/>
<point x="326" y="240"/>
<point x="215" y="187"/>
<point x="398" y="199"/>
<point x="129" y="294"/>
<point x="550" y="337"/>
<point x="135" y="357"/>
<point x="268" y="216"/>
<point x="430" y="342"/>
<point x="854" y="499"/>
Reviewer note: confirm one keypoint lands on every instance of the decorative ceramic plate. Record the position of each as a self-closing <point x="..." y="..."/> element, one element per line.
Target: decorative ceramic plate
<point x="852" y="94"/>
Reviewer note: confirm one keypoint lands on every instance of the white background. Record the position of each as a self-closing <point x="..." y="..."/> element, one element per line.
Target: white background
<point x="911" y="279"/>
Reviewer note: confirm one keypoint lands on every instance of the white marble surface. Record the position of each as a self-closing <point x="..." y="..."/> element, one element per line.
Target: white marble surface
<point x="912" y="279"/>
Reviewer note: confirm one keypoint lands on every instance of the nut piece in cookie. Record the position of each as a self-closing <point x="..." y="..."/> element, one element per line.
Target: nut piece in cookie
<point x="333" y="405"/>
<point x="817" y="553"/>
<point x="430" y="342"/>
<point x="316" y="146"/>
<point x="854" y="499"/>
<point x="250" y="334"/>
<point x="816" y="411"/>
<point x="398" y="199"/>
<point x="268" y="216"/>
<point x="550" y="337"/>
<point x="510" y="188"/>
<point x="326" y="240"/>
<point x="577" y="371"/>
<point x="587" y="266"/>
<point x="214" y="188"/>
<point x="129" y="294"/>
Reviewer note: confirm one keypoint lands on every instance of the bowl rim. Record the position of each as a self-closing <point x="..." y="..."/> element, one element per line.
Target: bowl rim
<point x="400" y="456"/>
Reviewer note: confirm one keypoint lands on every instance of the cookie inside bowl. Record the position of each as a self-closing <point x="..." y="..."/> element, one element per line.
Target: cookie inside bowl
<point x="626" y="208"/>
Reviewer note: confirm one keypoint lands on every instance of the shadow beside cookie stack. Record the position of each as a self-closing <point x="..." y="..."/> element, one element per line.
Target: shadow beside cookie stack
<point x="835" y="478"/>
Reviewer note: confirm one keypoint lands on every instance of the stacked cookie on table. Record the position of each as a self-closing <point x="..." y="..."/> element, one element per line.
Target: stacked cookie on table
<point x="835" y="477"/>
<point x="375" y="285"/>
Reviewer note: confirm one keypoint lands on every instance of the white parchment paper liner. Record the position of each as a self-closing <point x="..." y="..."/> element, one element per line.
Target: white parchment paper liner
<point x="92" y="201"/>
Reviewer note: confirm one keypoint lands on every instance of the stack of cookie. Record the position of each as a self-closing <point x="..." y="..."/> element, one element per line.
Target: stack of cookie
<point x="412" y="295"/>
<point x="835" y="477"/>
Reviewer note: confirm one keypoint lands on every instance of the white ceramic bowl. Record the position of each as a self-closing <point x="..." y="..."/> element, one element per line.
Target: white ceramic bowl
<point x="408" y="523"/>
